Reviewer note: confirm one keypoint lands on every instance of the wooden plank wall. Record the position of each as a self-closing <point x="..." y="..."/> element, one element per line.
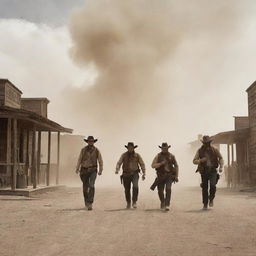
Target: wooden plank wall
<point x="252" y="136"/>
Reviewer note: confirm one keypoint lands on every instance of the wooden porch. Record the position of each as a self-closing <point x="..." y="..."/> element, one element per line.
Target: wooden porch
<point x="21" y="134"/>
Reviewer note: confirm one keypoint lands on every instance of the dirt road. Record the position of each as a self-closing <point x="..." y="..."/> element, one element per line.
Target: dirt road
<point x="57" y="224"/>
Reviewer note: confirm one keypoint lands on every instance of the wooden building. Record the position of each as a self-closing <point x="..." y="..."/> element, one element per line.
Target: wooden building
<point x="22" y="123"/>
<point x="241" y="142"/>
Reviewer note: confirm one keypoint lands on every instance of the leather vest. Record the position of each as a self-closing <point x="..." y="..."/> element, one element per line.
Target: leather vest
<point x="169" y="158"/>
<point x="130" y="162"/>
<point x="211" y="153"/>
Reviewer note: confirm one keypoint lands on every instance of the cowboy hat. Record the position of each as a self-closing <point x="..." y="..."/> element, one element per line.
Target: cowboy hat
<point x="90" y="138"/>
<point x="164" y="145"/>
<point x="131" y="144"/>
<point x="206" y="139"/>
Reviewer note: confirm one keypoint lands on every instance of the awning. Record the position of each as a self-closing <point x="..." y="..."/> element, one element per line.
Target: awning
<point x="231" y="137"/>
<point x="42" y="123"/>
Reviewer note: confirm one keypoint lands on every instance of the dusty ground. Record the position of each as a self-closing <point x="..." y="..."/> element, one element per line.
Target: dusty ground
<point x="57" y="224"/>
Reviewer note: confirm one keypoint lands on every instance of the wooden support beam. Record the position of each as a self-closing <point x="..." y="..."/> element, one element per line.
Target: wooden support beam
<point x="49" y="159"/>
<point x="27" y="156"/>
<point x="58" y="158"/>
<point x="228" y="151"/>
<point x="15" y="154"/>
<point x="33" y="167"/>
<point x="232" y="153"/>
<point x="39" y="138"/>
<point x="9" y="146"/>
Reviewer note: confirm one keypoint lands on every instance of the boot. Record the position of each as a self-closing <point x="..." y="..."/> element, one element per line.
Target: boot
<point x="128" y="206"/>
<point x="211" y="203"/>
<point x="134" y="205"/>
<point x="86" y="203"/>
<point x="162" y="206"/>
<point x="89" y="207"/>
<point x="205" y="207"/>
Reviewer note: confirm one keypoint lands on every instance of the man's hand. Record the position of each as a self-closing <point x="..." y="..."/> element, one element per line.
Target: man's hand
<point x="176" y="179"/>
<point x="163" y="162"/>
<point x="99" y="172"/>
<point x="143" y="176"/>
<point x="202" y="160"/>
<point x="77" y="171"/>
<point x="116" y="172"/>
<point x="220" y="170"/>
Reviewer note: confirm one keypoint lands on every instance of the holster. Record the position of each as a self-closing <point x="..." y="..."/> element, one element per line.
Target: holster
<point x="90" y="169"/>
<point x="154" y="185"/>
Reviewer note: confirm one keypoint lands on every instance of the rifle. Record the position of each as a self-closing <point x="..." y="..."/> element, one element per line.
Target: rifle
<point x="157" y="181"/>
<point x="154" y="185"/>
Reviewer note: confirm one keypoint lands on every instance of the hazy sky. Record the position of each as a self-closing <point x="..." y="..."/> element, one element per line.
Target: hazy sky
<point x="51" y="12"/>
<point x="213" y="64"/>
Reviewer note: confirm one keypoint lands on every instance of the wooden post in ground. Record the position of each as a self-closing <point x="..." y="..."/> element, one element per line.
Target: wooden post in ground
<point x="33" y="168"/>
<point x="9" y="147"/>
<point x="38" y="156"/>
<point x="58" y="159"/>
<point x="27" y="156"/>
<point x="228" y="150"/>
<point x="49" y="159"/>
<point x="232" y="153"/>
<point x="15" y="156"/>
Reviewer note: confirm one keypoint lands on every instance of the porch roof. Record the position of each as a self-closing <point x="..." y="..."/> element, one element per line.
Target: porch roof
<point x="42" y="123"/>
<point x="230" y="137"/>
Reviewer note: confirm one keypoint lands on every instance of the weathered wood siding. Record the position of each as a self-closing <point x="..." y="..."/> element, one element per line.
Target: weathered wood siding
<point x="252" y="137"/>
<point x="9" y="95"/>
<point x="38" y="106"/>
<point x="241" y="122"/>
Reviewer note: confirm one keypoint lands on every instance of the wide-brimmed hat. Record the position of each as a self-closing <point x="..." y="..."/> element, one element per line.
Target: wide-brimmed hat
<point x="164" y="145"/>
<point x="90" y="138"/>
<point x="131" y="144"/>
<point x="206" y="139"/>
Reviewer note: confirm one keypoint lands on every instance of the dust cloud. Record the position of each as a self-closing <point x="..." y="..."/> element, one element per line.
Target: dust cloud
<point x="152" y="60"/>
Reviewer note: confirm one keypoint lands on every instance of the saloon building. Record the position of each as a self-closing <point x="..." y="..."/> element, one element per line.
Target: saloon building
<point x="23" y="122"/>
<point x="241" y="145"/>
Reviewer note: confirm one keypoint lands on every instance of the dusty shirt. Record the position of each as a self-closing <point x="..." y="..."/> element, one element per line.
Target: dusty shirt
<point x="90" y="157"/>
<point x="171" y="164"/>
<point x="130" y="162"/>
<point x="208" y="160"/>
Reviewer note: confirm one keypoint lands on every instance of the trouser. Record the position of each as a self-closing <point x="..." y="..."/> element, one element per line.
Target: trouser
<point x="127" y="181"/>
<point x="165" y="183"/>
<point x="88" y="179"/>
<point x="208" y="176"/>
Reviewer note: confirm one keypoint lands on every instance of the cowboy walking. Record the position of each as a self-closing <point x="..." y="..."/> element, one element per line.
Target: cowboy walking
<point x="131" y="163"/>
<point x="167" y="171"/>
<point x="87" y="166"/>
<point x="208" y="159"/>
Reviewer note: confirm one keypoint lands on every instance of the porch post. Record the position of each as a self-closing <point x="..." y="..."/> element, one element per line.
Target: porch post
<point x="38" y="156"/>
<point x="34" y="172"/>
<point x="228" y="150"/>
<point x="49" y="159"/>
<point x="58" y="158"/>
<point x="9" y="147"/>
<point x="232" y="153"/>
<point x="15" y="156"/>
<point x="27" y="156"/>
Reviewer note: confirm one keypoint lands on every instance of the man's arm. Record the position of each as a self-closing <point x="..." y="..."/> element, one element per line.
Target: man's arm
<point x="220" y="158"/>
<point x="119" y="163"/>
<point x="79" y="161"/>
<point x="176" y="167"/>
<point x="100" y="160"/>
<point x="142" y="164"/>
<point x="155" y="163"/>
<point x="196" y="159"/>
